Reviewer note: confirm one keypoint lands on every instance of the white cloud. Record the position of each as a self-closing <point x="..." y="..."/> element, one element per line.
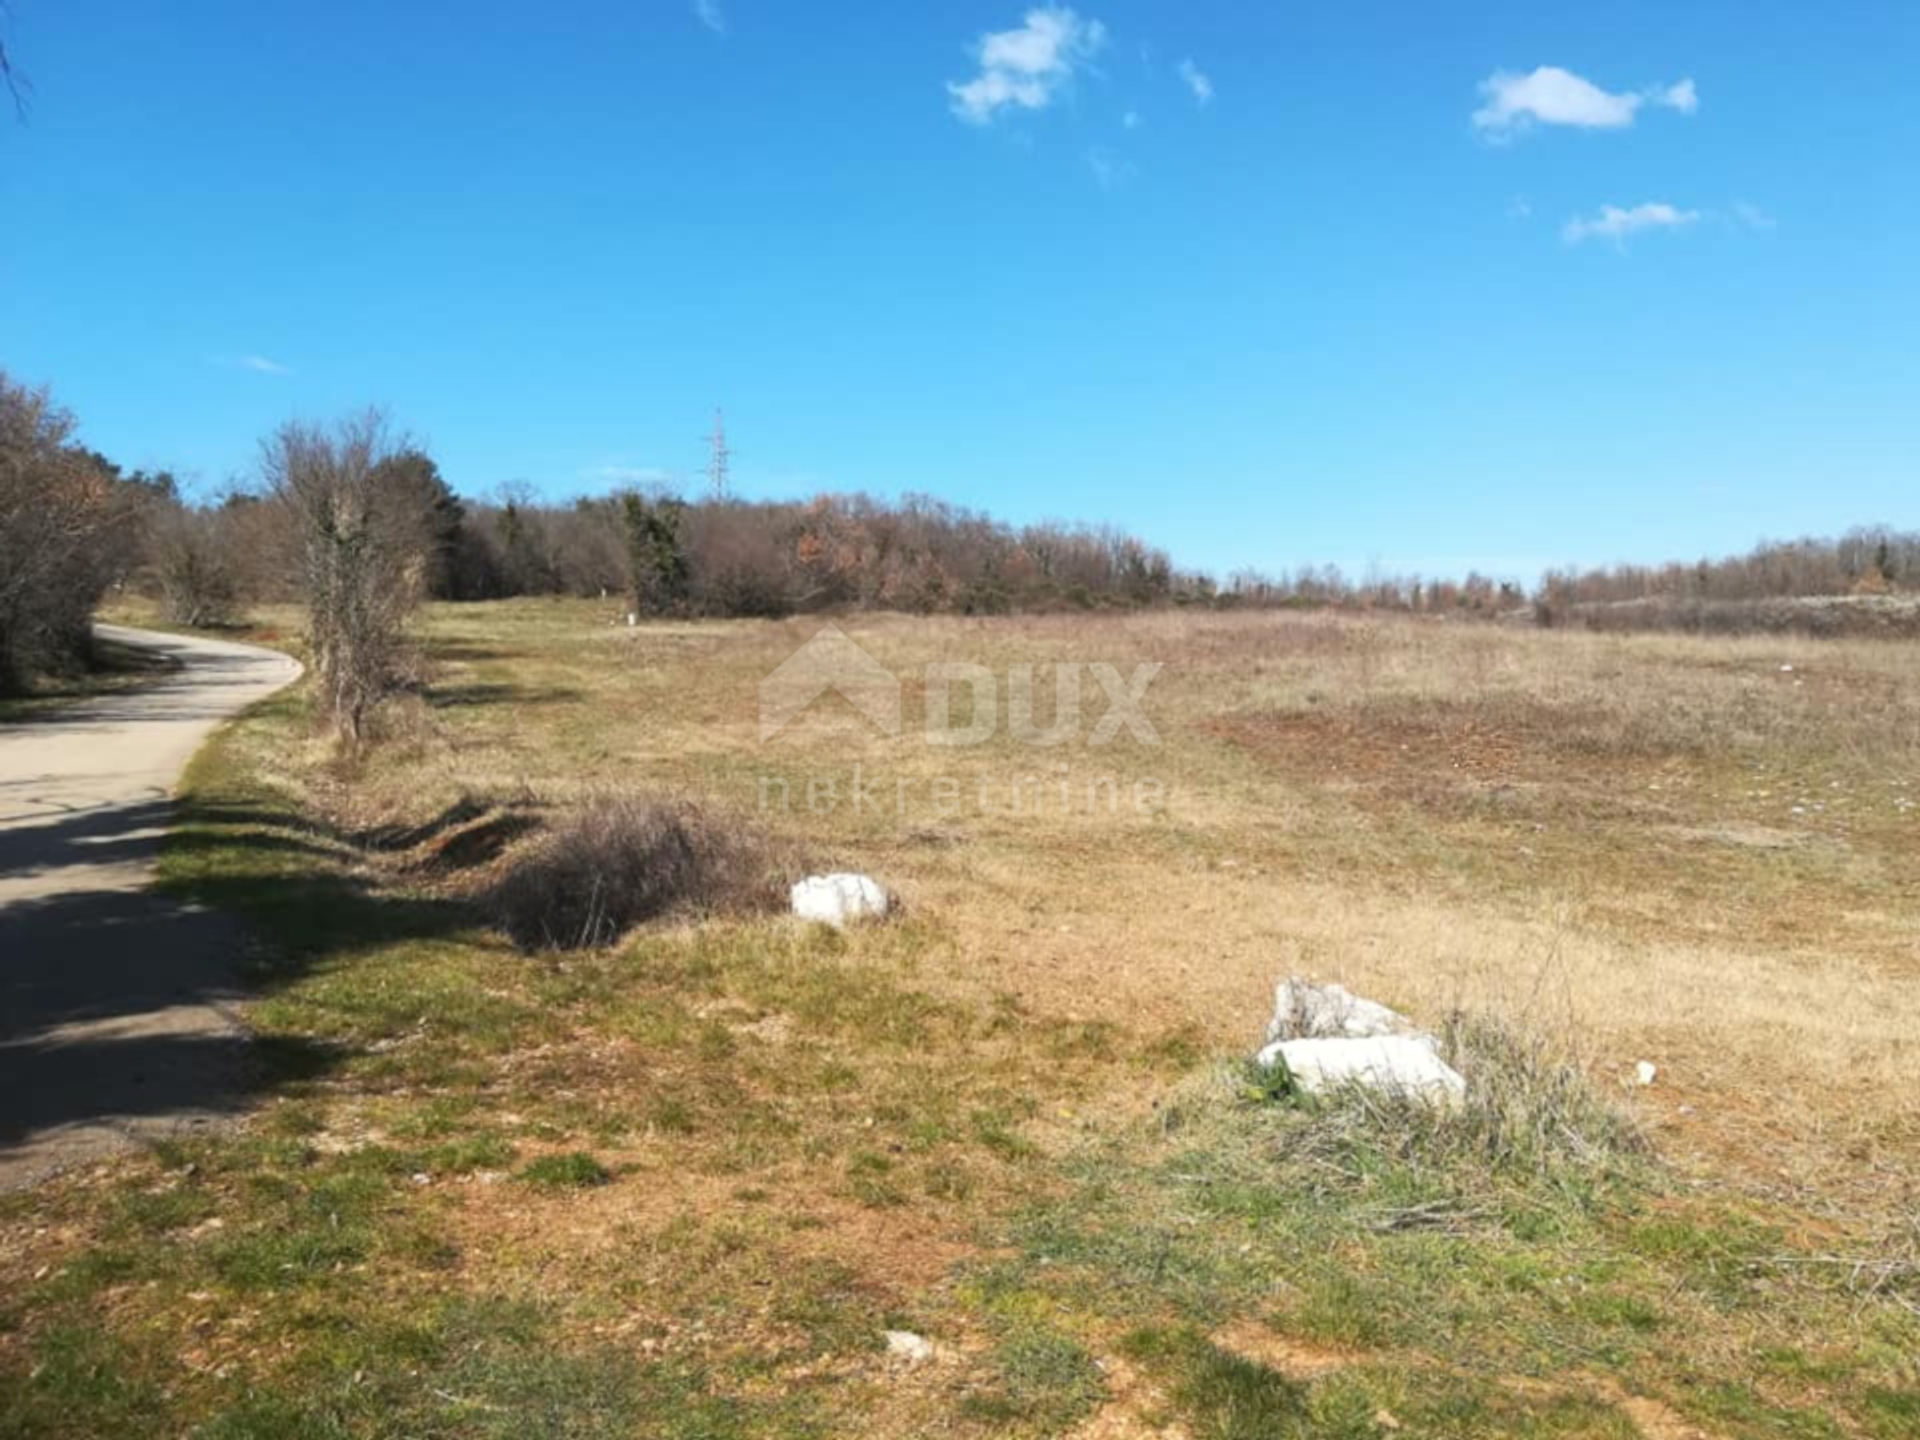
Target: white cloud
<point x="1552" y="96"/>
<point x="261" y="365"/>
<point x="709" y="14"/>
<point x="1025" y="68"/>
<point x="1197" y="82"/>
<point x="1752" y="216"/>
<point x="1616" y="223"/>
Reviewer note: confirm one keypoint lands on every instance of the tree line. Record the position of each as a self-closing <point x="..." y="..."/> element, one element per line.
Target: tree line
<point x="1868" y="560"/>
<point x="1779" y="585"/>
<point x="357" y="523"/>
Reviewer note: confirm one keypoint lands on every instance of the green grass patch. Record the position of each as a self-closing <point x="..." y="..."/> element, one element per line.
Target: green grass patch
<point x="1042" y="1382"/>
<point x="575" y="1171"/>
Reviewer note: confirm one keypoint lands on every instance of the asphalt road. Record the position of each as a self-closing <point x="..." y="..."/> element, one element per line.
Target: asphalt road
<point x="115" y="1021"/>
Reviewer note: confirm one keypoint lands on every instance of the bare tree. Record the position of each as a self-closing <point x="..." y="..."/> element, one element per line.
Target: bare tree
<point x="194" y="564"/>
<point x="362" y="543"/>
<point x="61" y="536"/>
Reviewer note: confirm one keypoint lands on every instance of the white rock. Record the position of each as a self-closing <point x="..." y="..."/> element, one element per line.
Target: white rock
<point x="838" y="899"/>
<point x="1304" y="1011"/>
<point x="907" y="1346"/>
<point x="1403" y="1064"/>
<point x="1645" y="1072"/>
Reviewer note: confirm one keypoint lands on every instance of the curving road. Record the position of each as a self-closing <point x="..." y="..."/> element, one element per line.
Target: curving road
<point x="114" y="1027"/>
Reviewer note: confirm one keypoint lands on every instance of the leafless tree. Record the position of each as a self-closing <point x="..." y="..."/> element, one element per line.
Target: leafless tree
<point x="361" y="543"/>
<point x="61" y="536"/>
<point x="193" y="559"/>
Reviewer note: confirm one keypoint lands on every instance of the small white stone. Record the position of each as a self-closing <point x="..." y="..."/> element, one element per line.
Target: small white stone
<point x="1645" y="1072"/>
<point x="907" y="1346"/>
<point x="838" y="899"/>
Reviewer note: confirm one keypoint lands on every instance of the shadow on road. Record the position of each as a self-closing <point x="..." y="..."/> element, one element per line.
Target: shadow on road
<point x="189" y="693"/>
<point x="105" y="992"/>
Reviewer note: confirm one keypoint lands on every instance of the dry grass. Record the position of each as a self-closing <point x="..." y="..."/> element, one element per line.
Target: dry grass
<point x="1657" y="847"/>
<point x="1528" y="1113"/>
<point x="1699" y="852"/>
<point x="997" y="1123"/>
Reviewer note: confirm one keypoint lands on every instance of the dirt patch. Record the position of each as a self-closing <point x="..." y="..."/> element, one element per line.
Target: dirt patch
<point x="1134" y="1409"/>
<point x="1654" y="1419"/>
<point x="498" y="1223"/>
<point x="1657" y="1420"/>
<point x="1294" y="1358"/>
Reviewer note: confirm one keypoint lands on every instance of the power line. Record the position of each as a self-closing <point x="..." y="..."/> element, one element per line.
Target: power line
<point x="719" y="456"/>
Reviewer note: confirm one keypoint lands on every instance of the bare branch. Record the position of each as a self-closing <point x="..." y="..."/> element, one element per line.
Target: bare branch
<point x="18" y="87"/>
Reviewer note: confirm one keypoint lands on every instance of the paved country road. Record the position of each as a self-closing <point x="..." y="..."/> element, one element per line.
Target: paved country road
<point x="114" y="1020"/>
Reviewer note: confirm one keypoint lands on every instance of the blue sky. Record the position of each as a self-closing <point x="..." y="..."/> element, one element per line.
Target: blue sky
<point x="1429" y="286"/>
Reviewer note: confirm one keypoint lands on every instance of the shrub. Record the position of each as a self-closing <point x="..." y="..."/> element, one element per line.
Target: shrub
<point x="620" y="860"/>
<point x="1528" y="1106"/>
<point x="1530" y="1122"/>
<point x="194" y="565"/>
<point x="363" y="515"/>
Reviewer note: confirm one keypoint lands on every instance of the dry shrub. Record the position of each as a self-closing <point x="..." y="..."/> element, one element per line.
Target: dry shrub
<point x="1531" y="1121"/>
<point x="620" y="860"/>
<point x="1529" y="1106"/>
<point x="196" y="563"/>
<point x="361" y="528"/>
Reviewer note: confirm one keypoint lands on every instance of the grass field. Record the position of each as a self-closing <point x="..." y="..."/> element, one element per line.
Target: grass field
<point x="684" y="1186"/>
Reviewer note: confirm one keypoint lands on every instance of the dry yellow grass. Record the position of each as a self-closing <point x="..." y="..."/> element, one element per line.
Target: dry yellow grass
<point x="1695" y="852"/>
<point x="684" y="1184"/>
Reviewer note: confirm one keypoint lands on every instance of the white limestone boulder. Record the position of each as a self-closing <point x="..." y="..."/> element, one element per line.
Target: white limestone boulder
<point x="1396" y="1064"/>
<point x="1305" y="1011"/>
<point x="839" y="900"/>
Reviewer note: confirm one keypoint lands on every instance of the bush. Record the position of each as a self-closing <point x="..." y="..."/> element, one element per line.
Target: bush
<point x="617" y="861"/>
<point x="364" y="514"/>
<point x="195" y="566"/>
<point x="1530" y="1122"/>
